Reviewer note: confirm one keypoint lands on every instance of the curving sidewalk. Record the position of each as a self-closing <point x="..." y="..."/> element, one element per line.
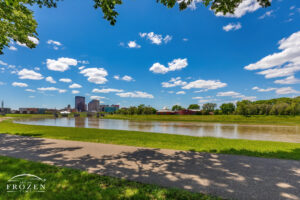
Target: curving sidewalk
<point x="228" y="176"/>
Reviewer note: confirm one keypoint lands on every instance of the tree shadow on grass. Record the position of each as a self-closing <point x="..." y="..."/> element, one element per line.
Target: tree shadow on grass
<point x="237" y="177"/>
<point x="65" y="183"/>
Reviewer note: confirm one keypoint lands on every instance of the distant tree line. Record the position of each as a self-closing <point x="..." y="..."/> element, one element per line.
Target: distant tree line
<point x="139" y="110"/>
<point x="279" y="106"/>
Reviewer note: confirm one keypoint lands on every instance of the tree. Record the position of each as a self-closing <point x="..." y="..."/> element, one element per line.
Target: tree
<point x="209" y="107"/>
<point x="242" y="107"/>
<point x="140" y="109"/>
<point x="194" y="106"/>
<point x="177" y="107"/>
<point x="227" y="108"/>
<point x="17" y="22"/>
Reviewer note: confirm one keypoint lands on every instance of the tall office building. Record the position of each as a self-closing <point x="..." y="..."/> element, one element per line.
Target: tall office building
<point x="94" y="105"/>
<point x="80" y="103"/>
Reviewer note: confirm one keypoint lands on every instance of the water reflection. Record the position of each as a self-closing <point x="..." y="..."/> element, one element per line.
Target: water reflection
<point x="200" y="129"/>
<point x="79" y="122"/>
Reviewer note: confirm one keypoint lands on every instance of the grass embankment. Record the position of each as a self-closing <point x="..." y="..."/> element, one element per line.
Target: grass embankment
<point x="156" y="140"/>
<point x="239" y="119"/>
<point x="254" y="119"/>
<point x="65" y="183"/>
<point x="28" y="115"/>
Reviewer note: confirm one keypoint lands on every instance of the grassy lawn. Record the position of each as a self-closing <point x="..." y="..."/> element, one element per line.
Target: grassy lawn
<point x="65" y="183"/>
<point x="255" y="119"/>
<point x="156" y="140"/>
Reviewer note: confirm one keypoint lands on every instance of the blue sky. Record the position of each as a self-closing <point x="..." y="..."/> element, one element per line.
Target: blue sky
<point x="155" y="55"/>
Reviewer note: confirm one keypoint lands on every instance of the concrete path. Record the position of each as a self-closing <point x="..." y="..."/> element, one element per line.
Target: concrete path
<point x="228" y="176"/>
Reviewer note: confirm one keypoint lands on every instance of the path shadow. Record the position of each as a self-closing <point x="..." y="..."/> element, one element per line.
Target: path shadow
<point x="236" y="177"/>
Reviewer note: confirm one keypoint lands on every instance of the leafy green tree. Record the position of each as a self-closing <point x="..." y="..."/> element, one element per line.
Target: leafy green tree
<point x="227" y="108"/>
<point x="218" y="112"/>
<point x="194" y="106"/>
<point x="177" y="107"/>
<point x="140" y="109"/>
<point x="295" y="108"/>
<point x="17" y="22"/>
<point x="209" y="107"/>
<point x="242" y="107"/>
<point x="122" y="111"/>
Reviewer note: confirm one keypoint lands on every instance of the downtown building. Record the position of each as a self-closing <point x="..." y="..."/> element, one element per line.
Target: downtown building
<point x="109" y="109"/>
<point x="94" y="106"/>
<point x="80" y="105"/>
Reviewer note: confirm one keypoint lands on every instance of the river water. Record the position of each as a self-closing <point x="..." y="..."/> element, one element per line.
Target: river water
<point x="199" y="129"/>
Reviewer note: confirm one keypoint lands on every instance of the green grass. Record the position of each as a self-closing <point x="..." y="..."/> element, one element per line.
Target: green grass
<point x="255" y="119"/>
<point x="156" y="140"/>
<point x="28" y="115"/>
<point x="65" y="183"/>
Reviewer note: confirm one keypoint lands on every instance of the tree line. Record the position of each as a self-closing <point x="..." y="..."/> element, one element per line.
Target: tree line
<point x="139" y="110"/>
<point x="278" y="106"/>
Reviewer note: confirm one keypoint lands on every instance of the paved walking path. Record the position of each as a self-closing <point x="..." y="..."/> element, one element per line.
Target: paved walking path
<point x="229" y="176"/>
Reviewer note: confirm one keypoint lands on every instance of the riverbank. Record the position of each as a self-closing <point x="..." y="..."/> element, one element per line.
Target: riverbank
<point x="157" y="140"/>
<point x="239" y="119"/>
<point x="66" y="183"/>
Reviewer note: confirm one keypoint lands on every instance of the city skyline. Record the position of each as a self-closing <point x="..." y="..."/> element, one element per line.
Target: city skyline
<point x="171" y="58"/>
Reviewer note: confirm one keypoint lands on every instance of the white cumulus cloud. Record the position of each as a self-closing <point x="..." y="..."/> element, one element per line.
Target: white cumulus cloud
<point x="232" y="27"/>
<point x="12" y="48"/>
<point x="61" y="64"/>
<point x="65" y="80"/>
<point x="133" y="44"/>
<point x="75" y="91"/>
<point x="205" y="84"/>
<point x="283" y="90"/>
<point x="281" y="64"/>
<point x="18" y="84"/>
<point x="136" y="94"/>
<point x="75" y="85"/>
<point x="117" y="77"/>
<point x="176" y="64"/>
<point x="127" y="78"/>
<point x="156" y="38"/>
<point x="228" y="94"/>
<point x="50" y="79"/>
<point x="54" y="44"/>
<point x="30" y="90"/>
<point x="43" y="89"/>
<point x="95" y="75"/>
<point x="106" y="90"/>
<point x="267" y="14"/>
<point x="3" y="63"/>
<point x="124" y="78"/>
<point x="48" y="89"/>
<point x="29" y="74"/>
<point x="286" y="90"/>
<point x="180" y="92"/>
<point x="288" y="80"/>
<point x="264" y="90"/>
<point x="173" y="83"/>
